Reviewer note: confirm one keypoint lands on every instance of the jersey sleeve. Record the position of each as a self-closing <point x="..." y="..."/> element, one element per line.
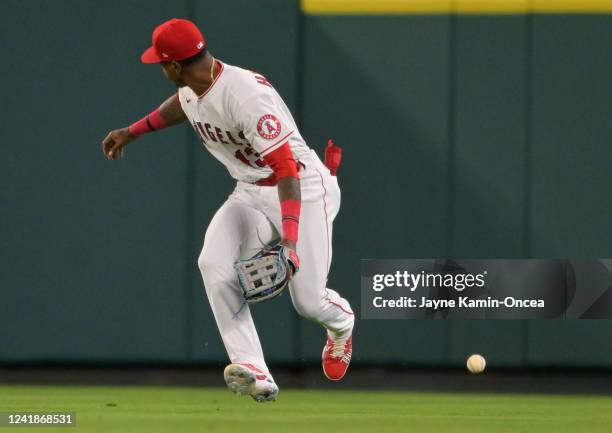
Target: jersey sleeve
<point x="263" y="120"/>
<point x="181" y="97"/>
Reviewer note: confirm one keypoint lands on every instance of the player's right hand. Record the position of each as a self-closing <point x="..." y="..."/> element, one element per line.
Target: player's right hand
<point x="291" y="255"/>
<point x="115" y="141"/>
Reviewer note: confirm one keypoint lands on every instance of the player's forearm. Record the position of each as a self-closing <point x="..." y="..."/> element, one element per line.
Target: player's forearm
<point x="291" y="202"/>
<point x="289" y="189"/>
<point x="285" y="170"/>
<point x="168" y="114"/>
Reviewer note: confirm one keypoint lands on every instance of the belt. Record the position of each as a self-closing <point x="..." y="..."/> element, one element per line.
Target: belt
<point x="271" y="180"/>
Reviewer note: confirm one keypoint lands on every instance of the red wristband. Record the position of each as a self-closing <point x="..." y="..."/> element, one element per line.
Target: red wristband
<point x="151" y="122"/>
<point x="290" y="213"/>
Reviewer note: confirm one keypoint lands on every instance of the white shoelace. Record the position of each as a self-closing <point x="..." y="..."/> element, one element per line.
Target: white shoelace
<point x="337" y="349"/>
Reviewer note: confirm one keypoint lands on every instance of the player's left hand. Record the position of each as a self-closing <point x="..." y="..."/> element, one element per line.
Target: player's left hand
<point x="267" y="273"/>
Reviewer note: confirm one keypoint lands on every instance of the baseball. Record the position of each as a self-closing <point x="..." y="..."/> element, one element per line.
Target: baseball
<point x="476" y="364"/>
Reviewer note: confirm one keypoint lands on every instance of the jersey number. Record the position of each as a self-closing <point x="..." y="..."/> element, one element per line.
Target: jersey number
<point x="258" y="162"/>
<point x="262" y="80"/>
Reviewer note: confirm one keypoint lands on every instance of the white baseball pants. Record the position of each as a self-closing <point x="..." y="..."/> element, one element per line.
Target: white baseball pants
<point x="251" y="219"/>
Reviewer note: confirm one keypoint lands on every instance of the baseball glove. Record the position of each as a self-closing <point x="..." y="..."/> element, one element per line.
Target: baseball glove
<point x="267" y="273"/>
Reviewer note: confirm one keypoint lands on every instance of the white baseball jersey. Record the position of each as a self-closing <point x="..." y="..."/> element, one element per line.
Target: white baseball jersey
<point x="240" y="119"/>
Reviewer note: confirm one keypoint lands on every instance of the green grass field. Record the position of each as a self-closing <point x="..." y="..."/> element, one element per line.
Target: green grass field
<point x="186" y="410"/>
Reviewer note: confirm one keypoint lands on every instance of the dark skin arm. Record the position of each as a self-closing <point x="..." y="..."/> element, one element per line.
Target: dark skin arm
<point x="289" y="189"/>
<point x="116" y="140"/>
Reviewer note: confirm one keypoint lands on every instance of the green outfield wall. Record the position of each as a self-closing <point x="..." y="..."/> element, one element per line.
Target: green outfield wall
<point x="466" y="134"/>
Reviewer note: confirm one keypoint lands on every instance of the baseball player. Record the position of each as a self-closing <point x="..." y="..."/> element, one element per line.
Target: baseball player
<point x="283" y="191"/>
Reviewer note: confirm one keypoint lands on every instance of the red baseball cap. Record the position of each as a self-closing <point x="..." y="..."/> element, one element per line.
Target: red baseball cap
<point x="176" y="39"/>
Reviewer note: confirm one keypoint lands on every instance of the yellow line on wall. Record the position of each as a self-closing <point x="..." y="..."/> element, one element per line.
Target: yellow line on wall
<point x="572" y="6"/>
<point x="372" y="7"/>
<point x="492" y="6"/>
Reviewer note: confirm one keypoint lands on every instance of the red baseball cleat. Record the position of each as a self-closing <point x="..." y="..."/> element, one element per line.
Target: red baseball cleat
<point x="337" y="357"/>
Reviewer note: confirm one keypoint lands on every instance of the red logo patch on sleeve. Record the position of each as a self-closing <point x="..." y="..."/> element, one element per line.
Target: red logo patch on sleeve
<point x="269" y="127"/>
